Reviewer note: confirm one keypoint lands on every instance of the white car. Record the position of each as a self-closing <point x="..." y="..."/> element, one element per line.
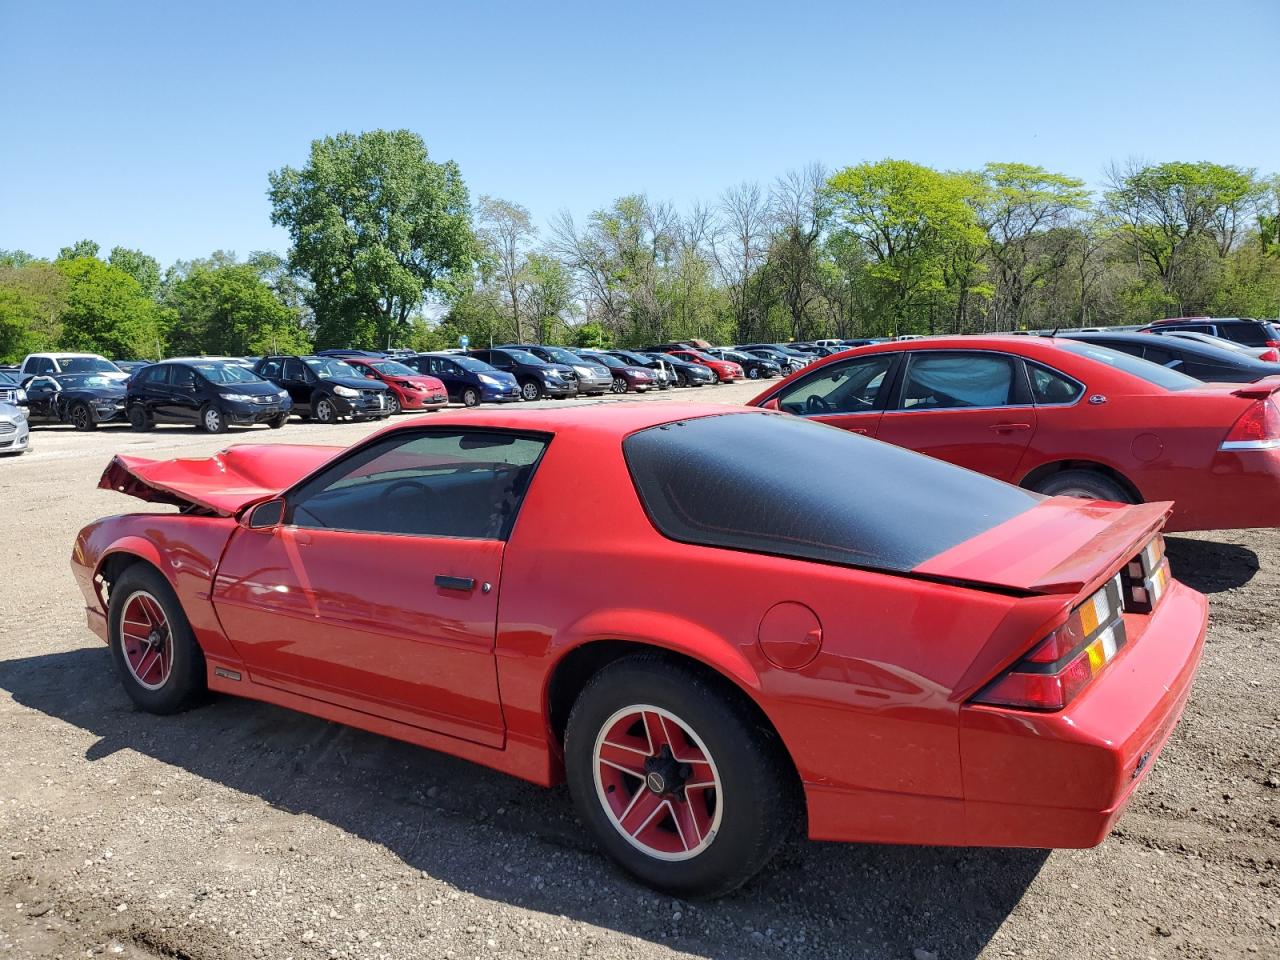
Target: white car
<point x="14" y="433"/>
<point x="50" y="364"/>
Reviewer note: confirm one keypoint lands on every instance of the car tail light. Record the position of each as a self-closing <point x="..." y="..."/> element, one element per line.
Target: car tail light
<point x="1272" y="355"/>
<point x="1273" y="343"/>
<point x="1257" y="429"/>
<point x="1146" y="577"/>
<point x="1063" y="663"/>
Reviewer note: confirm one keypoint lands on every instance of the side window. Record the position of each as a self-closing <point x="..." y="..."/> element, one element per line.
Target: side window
<point x="1250" y="334"/>
<point x="1049" y="386"/>
<point x="428" y="485"/>
<point x="851" y="387"/>
<point x="1198" y="328"/>
<point x="44" y="365"/>
<point x="184" y="378"/>
<point x="936" y="381"/>
<point x="1162" y="355"/>
<point x="156" y="376"/>
<point x="270" y="368"/>
<point x="293" y="369"/>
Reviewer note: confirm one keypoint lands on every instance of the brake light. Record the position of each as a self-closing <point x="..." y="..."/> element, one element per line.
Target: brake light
<point x="1063" y="663"/>
<point x="1257" y="429"/>
<point x="1146" y="577"/>
<point x="1273" y="343"/>
<point x="1272" y="355"/>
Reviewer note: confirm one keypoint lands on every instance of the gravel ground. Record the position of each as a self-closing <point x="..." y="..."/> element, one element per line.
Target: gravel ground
<point x="242" y="830"/>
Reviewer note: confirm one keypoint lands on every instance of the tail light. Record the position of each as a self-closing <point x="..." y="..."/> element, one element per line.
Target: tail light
<point x="1273" y="343"/>
<point x="1146" y="577"/>
<point x="1270" y="356"/>
<point x="1063" y="663"/>
<point x="1257" y="429"/>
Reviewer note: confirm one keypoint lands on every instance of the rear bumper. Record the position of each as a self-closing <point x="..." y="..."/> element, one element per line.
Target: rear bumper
<point x="1242" y="490"/>
<point x="1062" y="779"/>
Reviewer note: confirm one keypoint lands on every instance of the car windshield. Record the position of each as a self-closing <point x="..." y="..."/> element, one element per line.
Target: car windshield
<point x="328" y="369"/>
<point x="1153" y="373"/>
<point x="561" y="355"/>
<point x="471" y="363"/>
<point x="8" y="379"/>
<point x="699" y="354"/>
<point x="87" y="365"/>
<point x="392" y="368"/>
<point x="87" y="381"/>
<point x="226" y="373"/>
<point x="605" y="359"/>
<point x="842" y="498"/>
<point x="734" y="355"/>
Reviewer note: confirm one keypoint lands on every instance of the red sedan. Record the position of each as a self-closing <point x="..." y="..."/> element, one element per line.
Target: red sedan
<point x="726" y="371"/>
<point x="1061" y="417"/>
<point x="407" y="389"/>
<point x="744" y="641"/>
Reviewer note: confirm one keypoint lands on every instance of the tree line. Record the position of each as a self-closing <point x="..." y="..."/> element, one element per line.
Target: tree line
<point x="387" y="248"/>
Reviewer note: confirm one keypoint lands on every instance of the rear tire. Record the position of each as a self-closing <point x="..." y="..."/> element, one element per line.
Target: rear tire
<point x="138" y="419"/>
<point x="701" y="840"/>
<point x="1084" y="484"/>
<point x="155" y="652"/>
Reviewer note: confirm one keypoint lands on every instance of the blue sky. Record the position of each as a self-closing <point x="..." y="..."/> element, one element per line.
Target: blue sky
<point x="154" y="125"/>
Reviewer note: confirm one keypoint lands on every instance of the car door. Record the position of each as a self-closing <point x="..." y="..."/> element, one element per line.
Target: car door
<point x="850" y="395"/>
<point x="181" y="402"/>
<point x="42" y="399"/>
<point x="293" y="378"/>
<point x="379" y="589"/>
<point x="151" y="388"/>
<point x="968" y="407"/>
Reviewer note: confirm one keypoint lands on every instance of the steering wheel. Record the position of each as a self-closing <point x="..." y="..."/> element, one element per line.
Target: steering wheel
<point x="413" y="486"/>
<point x="817" y="404"/>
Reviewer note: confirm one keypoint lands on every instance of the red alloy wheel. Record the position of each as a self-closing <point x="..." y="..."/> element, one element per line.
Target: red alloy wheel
<point x="657" y="783"/>
<point x="146" y="640"/>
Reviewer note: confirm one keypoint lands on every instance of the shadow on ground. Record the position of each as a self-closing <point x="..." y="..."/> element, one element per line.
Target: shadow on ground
<point x="506" y="840"/>
<point x="1209" y="565"/>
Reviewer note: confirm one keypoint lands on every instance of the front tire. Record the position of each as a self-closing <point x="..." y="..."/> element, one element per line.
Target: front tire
<point x="1084" y="484"/>
<point x="212" y="420"/>
<point x="393" y="405"/>
<point x="275" y="423"/>
<point x="155" y="652"/>
<point x="82" y="417"/>
<point x="619" y="385"/>
<point x="531" y="390"/>
<point x="754" y="373"/>
<point x="325" y="412"/>
<point x="471" y="397"/>
<point x="677" y="778"/>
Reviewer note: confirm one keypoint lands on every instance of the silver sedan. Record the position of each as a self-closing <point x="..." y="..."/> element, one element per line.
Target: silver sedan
<point x="14" y="433"/>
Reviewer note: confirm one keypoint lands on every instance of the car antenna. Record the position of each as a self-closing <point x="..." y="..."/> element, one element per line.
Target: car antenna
<point x="1055" y="330"/>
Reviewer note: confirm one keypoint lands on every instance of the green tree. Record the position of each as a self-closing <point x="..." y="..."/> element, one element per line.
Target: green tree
<point x="377" y="228"/>
<point x="548" y="294"/>
<point x="79" y="249"/>
<point x="143" y="268"/>
<point x="33" y="297"/>
<point x="15" y="258"/>
<point x="107" y="312"/>
<point x="908" y="219"/>
<point x="228" y="310"/>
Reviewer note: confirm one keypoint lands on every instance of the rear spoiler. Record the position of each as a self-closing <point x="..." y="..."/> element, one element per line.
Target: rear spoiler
<point x="1063" y="545"/>
<point x="225" y="483"/>
<point x="1259" y="389"/>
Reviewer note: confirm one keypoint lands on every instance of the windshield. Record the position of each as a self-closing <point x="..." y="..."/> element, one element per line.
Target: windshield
<point x="392" y="368"/>
<point x="87" y="365"/>
<point x="734" y="355"/>
<point x="1153" y="373"/>
<point x="561" y="355"/>
<point x="87" y="381"/>
<point x="845" y="495"/>
<point x="471" y="363"/>
<point x="605" y="359"/>
<point x="226" y="373"/>
<point x="524" y="357"/>
<point x="328" y="369"/>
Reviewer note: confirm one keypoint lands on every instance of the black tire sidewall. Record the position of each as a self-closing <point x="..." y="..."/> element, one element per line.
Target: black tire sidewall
<point x="393" y="403"/>
<point x="187" y="679"/>
<point x="470" y="397"/>
<point x="323" y="403"/>
<point x="204" y="424"/>
<point x="89" y="423"/>
<point x="1101" y="486"/>
<point x="758" y="809"/>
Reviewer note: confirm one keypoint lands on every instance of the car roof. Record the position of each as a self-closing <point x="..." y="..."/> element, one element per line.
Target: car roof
<point x="608" y="417"/>
<point x="66" y="353"/>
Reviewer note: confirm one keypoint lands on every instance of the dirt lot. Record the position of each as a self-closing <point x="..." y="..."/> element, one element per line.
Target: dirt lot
<point x="242" y="830"/>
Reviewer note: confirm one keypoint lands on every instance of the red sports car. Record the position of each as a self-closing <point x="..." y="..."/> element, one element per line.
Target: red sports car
<point x="840" y="632"/>
<point x="1061" y="417"/>
<point x="726" y="371"/>
<point x="407" y="389"/>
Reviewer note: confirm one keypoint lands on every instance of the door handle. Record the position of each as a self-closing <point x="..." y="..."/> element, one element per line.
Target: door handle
<point x="1009" y="427"/>
<point x="455" y="583"/>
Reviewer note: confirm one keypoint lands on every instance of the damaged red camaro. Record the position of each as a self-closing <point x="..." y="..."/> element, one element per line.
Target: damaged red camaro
<point x="846" y="634"/>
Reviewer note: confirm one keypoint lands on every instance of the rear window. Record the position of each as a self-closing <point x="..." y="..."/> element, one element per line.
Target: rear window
<point x="1250" y="334"/>
<point x="774" y="484"/>
<point x="1135" y="366"/>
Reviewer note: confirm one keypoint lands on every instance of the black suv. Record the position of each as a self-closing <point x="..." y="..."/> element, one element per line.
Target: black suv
<point x="1242" y="330"/>
<point x="325" y="388"/>
<point x="83" y="400"/>
<point x="208" y="394"/>
<point x="536" y="377"/>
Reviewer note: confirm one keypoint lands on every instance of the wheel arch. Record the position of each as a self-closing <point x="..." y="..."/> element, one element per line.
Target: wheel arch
<point x="1046" y="470"/>
<point x="119" y="557"/>
<point x="576" y="665"/>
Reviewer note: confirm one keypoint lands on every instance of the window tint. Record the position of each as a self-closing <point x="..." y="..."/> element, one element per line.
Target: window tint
<point x="184" y="378"/>
<point x="841" y="498"/>
<point x="155" y="376"/>
<point x="1153" y="373"/>
<point x="1050" y="386"/>
<point x="44" y="365"/>
<point x="936" y="380"/>
<point x="270" y="368"/>
<point x="850" y="387"/>
<point x="1250" y="334"/>
<point x="438" y="484"/>
<point x="293" y="369"/>
<point x="1158" y="354"/>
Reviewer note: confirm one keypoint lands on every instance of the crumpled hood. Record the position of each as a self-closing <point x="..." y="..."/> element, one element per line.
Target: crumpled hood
<point x="225" y="483"/>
